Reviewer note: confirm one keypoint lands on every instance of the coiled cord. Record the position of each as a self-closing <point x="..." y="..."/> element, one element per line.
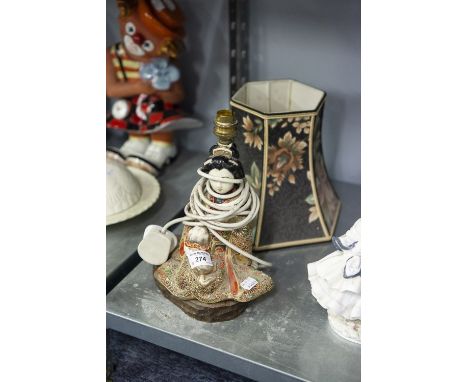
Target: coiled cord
<point x="200" y="211"/>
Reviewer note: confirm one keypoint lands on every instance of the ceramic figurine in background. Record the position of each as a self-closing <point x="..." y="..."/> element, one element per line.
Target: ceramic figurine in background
<point x="336" y="284"/>
<point x="211" y="274"/>
<point x="142" y="75"/>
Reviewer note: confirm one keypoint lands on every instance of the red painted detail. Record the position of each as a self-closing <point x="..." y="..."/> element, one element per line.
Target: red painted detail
<point x="117" y="124"/>
<point x="181" y="248"/>
<point x="138" y="38"/>
<point x="155" y="118"/>
<point x="134" y="119"/>
<point x="232" y="277"/>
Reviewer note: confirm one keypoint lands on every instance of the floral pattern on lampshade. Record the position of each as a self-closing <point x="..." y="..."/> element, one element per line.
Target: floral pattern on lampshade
<point x="279" y="142"/>
<point x="285" y="156"/>
<point x="253" y="132"/>
<point x="288" y="186"/>
<point x="284" y="159"/>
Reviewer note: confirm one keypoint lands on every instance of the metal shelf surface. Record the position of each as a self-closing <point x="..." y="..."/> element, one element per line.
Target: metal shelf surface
<point x="122" y="239"/>
<point x="283" y="336"/>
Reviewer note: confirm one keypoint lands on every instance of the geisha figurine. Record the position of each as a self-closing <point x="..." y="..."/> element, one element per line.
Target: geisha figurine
<point x="143" y="76"/>
<point x="336" y="284"/>
<point x="212" y="268"/>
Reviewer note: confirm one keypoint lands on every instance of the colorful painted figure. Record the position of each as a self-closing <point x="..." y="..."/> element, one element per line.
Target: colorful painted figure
<point x="143" y="77"/>
<point x="205" y="268"/>
<point x="213" y="261"/>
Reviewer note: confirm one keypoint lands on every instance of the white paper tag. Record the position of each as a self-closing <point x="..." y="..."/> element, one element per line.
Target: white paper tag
<point x="198" y="257"/>
<point x="248" y="283"/>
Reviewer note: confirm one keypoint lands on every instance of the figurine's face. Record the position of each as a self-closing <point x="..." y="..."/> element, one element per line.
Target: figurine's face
<point x="219" y="186"/>
<point x="138" y="41"/>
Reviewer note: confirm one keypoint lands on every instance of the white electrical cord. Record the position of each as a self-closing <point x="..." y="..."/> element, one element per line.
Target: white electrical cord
<point x="201" y="211"/>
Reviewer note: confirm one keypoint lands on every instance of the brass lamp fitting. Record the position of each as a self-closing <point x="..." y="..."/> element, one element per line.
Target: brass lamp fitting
<point x="225" y="127"/>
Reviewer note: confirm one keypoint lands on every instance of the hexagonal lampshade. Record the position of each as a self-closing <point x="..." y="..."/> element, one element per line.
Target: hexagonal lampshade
<point x="281" y="149"/>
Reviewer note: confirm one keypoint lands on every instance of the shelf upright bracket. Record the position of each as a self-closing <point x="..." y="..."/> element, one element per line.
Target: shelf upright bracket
<point x="238" y="44"/>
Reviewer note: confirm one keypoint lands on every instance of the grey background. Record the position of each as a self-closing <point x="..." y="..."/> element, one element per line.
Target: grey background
<point x="313" y="41"/>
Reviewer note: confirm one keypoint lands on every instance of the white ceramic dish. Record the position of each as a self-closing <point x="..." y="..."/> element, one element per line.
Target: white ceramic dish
<point x="144" y="191"/>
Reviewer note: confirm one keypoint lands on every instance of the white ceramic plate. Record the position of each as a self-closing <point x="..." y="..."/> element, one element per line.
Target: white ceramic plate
<point x="149" y="195"/>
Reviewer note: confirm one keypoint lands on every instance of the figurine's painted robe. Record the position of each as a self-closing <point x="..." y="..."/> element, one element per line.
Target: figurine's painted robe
<point x="230" y="269"/>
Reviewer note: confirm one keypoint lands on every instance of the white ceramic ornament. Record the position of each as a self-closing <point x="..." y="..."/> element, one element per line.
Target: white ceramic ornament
<point x="156" y="245"/>
<point x="336" y="284"/>
<point x="129" y="191"/>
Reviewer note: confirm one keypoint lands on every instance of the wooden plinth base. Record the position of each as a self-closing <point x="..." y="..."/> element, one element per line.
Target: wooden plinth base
<point x="221" y="311"/>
